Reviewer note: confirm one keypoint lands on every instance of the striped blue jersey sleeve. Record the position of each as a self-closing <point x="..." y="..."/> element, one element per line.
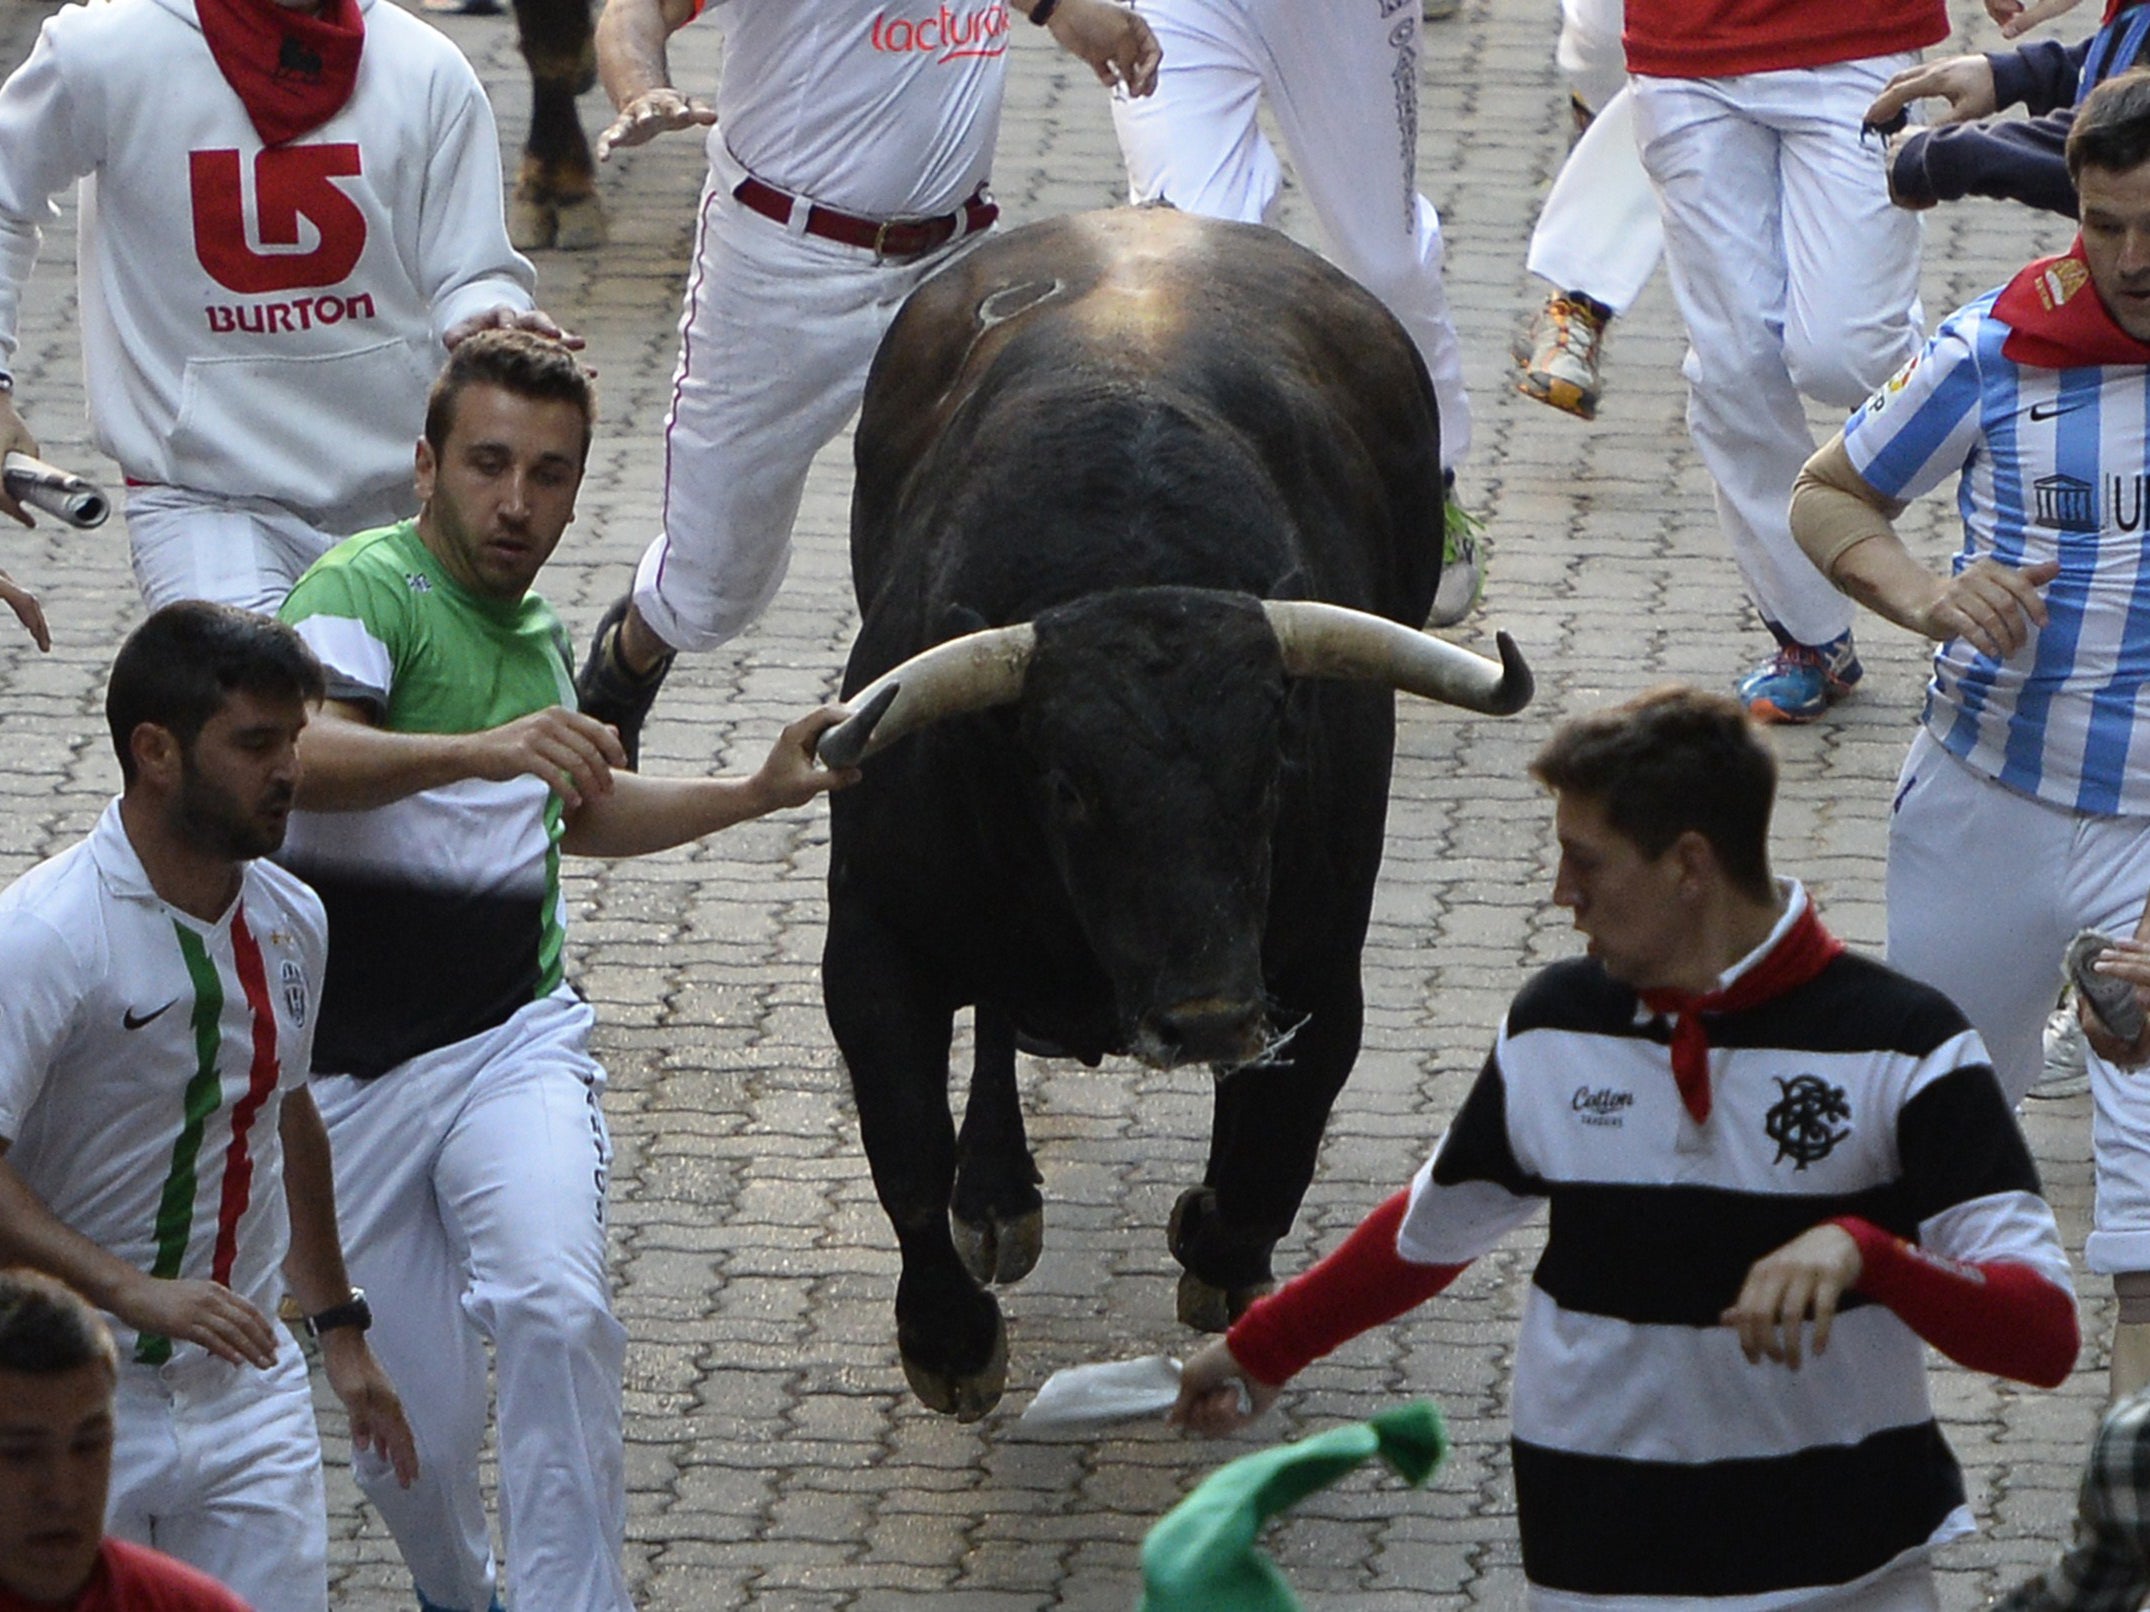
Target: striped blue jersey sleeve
<point x="1922" y="427"/>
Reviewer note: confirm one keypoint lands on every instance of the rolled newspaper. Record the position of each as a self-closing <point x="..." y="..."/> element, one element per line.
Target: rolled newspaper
<point x="55" y="491"/>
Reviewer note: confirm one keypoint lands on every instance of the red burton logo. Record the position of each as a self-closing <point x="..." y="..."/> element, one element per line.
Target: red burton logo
<point x="948" y="34"/>
<point x="312" y="235"/>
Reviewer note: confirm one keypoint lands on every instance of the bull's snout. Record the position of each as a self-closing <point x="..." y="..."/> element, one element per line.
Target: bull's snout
<point x="1207" y="1029"/>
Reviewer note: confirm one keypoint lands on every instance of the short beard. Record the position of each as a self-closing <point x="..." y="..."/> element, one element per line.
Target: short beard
<point x="210" y="821"/>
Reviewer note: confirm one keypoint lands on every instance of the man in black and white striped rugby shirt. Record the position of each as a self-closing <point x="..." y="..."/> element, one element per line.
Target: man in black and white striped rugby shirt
<point x="1773" y="1168"/>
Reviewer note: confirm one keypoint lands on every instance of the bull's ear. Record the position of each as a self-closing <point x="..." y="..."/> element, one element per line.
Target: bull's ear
<point x="959" y="619"/>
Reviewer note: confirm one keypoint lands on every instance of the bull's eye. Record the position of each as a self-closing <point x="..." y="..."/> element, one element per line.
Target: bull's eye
<point x="1067" y="799"/>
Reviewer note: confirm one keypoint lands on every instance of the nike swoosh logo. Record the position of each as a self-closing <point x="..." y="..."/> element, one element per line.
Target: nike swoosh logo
<point x="2047" y="411"/>
<point x="135" y="1022"/>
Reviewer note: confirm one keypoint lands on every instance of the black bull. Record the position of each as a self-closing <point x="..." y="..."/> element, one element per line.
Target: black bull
<point x="1131" y="821"/>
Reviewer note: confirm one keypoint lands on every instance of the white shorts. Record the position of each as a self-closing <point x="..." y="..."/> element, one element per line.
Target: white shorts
<point x="237" y="551"/>
<point x="1985" y="888"/>
<point x="220" y="1466"/>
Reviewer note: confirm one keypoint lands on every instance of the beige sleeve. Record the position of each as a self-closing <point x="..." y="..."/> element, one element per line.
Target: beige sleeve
<point x="1834" y="510"/>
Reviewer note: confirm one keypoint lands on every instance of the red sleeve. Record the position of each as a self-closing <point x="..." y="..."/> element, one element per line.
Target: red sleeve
<point x="1361" y="1284"/>
<point x="1997" y="1316"/>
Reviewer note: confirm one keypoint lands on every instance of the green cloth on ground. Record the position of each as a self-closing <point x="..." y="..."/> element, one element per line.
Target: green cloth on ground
<point x="1201" y="1555"/>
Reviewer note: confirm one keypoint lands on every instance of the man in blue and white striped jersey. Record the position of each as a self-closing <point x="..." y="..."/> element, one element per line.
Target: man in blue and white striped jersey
<point x="2023" y="810"/>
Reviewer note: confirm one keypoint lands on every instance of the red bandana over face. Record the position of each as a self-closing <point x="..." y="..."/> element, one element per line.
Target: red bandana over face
<point x="1804" y="951"/>
<point x="2057" y="320"/>
<point x="294" y="71"/>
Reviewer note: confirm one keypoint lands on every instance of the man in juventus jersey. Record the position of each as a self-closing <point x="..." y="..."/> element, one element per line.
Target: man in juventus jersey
<point x="159" y="1150"/>
<point x="2023" y="810"/>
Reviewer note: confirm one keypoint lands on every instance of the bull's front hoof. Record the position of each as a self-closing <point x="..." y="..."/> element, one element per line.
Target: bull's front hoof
<point x="578" y="225"/>
<point x="964" y="1395"/>
<point x="1214" y="1309"/>
<point x="533" y="221"/>
<point x="1000" y="1251"/>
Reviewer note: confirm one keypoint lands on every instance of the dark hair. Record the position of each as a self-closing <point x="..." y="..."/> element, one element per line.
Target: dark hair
<point x="2112" y="126"/>
<point x="517" y="361"/>
<point x="177" y="669"/>
<point x="1668" y="761"/>
<point x="46" y="1327"/>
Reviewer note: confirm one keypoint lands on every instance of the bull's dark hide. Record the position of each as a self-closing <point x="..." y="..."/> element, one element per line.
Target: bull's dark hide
<point x="1127" y="427"/>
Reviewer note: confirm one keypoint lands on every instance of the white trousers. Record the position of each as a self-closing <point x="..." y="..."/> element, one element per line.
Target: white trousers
<point x="774" y="343"/>
<point x="1341" y="79"/>
<point x="237" y="551"/>
<point x="1795" y="276"/>
<point x="220" y="1466"/>
<point x="471" y="1187"/>
<point x="1589" y="53"/>
<point x="1599" y="231"/>
<point x="1986" y="886"/>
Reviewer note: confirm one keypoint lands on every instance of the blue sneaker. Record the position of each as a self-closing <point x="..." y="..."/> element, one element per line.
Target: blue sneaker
<point x="1800" y="681"/>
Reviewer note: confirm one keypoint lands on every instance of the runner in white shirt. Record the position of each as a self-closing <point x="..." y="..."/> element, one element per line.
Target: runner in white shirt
<point x="158" y="1147"/>
<point x="2023" y="811"/>
<point x="848" y="162"/>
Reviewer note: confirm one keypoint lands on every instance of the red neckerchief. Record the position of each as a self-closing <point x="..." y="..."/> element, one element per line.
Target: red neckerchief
<point x="1803" y="952"/>
<point x="294" y="71"/>
<point x="2057" y="320"/>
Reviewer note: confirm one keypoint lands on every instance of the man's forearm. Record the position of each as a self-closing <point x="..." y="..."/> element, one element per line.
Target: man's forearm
<point x="32" y="1235"/>
<point x="314" y="1265"/>
<point x="1843" y="526"/>
<point x="631" y="57"/>
<point x="351" y="766"/>
<point x="640" y="815"/>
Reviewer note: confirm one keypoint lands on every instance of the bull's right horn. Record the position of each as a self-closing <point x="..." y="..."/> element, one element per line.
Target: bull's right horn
<point x="970" y="673"/>
<point x="1326" y="640"/>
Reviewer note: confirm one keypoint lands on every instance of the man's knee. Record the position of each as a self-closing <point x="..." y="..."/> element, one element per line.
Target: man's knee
<point x="1845" y="368"/>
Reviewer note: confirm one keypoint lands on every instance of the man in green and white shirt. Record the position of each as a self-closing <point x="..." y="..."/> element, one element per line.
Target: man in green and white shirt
<point x="159" y="1150"/>
<point x="445" y="776"/>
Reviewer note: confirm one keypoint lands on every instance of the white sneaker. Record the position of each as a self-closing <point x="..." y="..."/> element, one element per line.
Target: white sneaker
<point x="2067" y="1059"/>
<point x="1463" y="565"/>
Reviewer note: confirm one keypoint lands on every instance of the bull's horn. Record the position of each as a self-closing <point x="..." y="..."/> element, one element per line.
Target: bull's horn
<point x="1325" y="640"/>
<point x="970" y="673"/>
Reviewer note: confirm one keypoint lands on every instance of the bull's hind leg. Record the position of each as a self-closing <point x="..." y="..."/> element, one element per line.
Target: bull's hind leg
<point x="894" y="1032"/>
<point x="997" y="1212"/>
<point x="555" y="202"/>
<point x="1263" y="1144"/>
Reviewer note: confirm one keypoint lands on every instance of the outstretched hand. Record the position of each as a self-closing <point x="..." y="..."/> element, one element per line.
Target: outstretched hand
<point x="1965" y="82"/>
<point x="27" y="610"/>
<point x="790" y="775"/>
<point x="1802" y="1281"/>
<point x="1217" y="1396"/>
<point x="1112" y="38"/>
<point x="653" y="112"/>
<point x="2017" y="18"/>
<point x="535" y="320"/>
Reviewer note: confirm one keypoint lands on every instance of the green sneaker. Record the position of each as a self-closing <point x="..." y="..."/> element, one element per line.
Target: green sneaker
<point x="1464" y="550"/>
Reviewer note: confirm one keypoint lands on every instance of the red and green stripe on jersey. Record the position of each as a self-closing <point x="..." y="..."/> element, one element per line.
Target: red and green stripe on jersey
<point x="204" y="1095"/>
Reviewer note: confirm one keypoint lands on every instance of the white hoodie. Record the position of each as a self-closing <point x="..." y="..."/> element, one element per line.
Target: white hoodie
<point x="257" y="324"/>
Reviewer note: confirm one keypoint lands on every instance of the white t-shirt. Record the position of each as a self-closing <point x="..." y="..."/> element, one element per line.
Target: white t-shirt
<point x="144" y="1056"/>
<point x="886" y="108"/>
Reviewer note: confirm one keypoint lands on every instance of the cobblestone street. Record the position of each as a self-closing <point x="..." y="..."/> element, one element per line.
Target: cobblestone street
<point x="775" y="1459"/>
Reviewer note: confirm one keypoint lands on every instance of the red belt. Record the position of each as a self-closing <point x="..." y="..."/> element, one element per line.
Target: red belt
<point x="884" y="237"/>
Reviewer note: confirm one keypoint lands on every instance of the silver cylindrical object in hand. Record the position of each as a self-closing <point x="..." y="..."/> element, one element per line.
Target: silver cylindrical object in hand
<point x="53" y="490"/>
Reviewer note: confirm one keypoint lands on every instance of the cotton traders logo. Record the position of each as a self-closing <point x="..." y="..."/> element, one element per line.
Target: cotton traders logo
<point x="1603" y="1106"/>
<point x="947" y="35"/>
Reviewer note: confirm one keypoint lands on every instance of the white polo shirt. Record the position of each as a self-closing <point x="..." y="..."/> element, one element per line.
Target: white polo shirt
<point x="887" y="108"/>
<point x="143" y="1060"/>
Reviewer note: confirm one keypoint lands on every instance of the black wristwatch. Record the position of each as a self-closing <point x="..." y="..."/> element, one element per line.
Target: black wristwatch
<point x="352" y="1312"/>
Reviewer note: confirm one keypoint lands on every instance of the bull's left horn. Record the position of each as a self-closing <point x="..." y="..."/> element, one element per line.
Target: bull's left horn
<point x="970" y="673"/>
<point x="1325" y="640"/>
